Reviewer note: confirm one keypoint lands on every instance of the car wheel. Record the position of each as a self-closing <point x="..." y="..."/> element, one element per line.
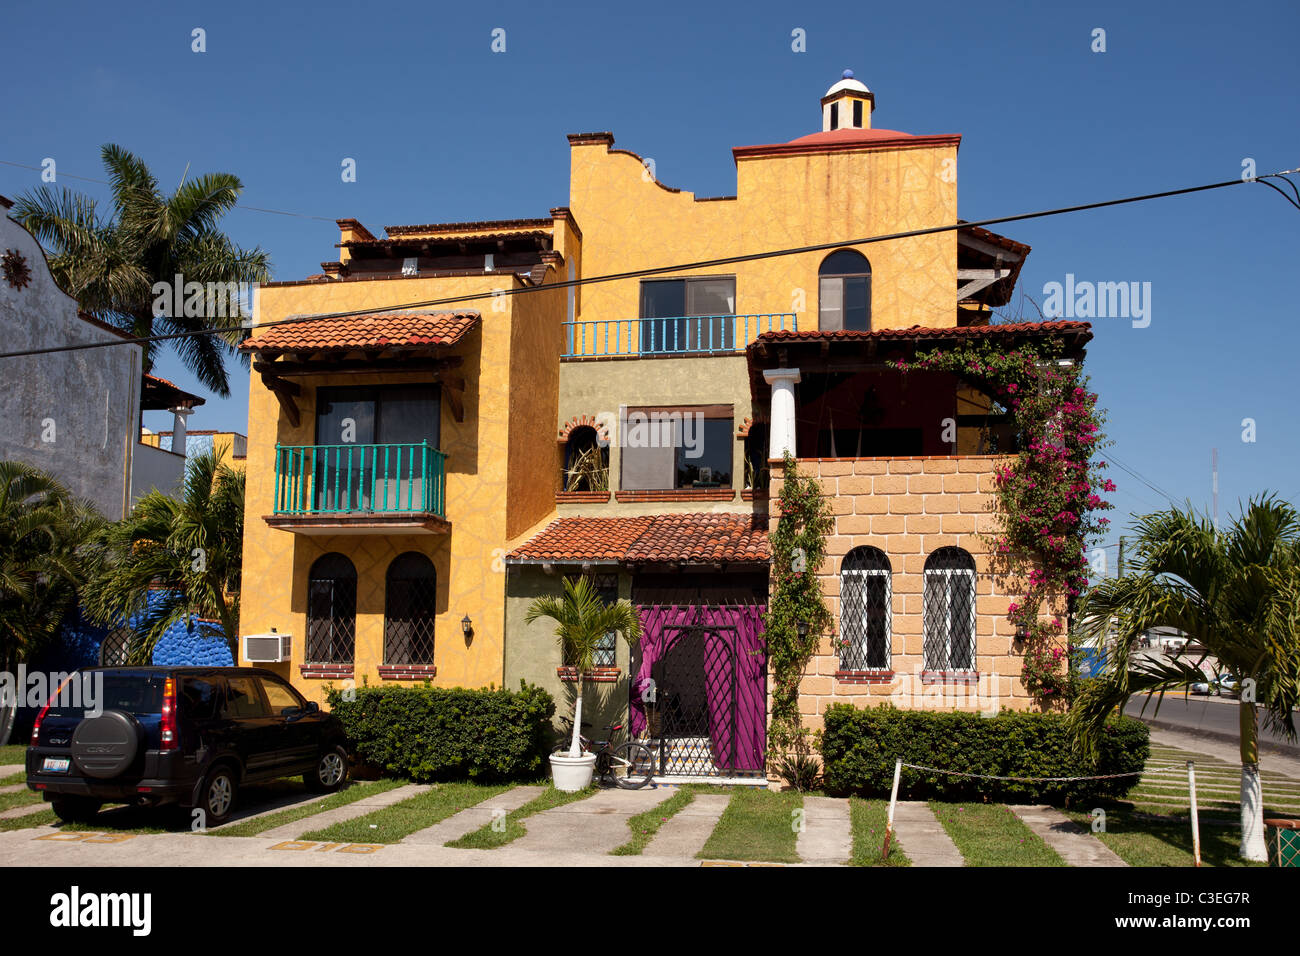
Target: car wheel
<point x="75" y="809"/>
<point x="217" y="798"/>
<point x="331" y="771"/>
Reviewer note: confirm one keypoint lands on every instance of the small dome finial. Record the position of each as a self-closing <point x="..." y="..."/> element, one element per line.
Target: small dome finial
<point x="846" y="75"/>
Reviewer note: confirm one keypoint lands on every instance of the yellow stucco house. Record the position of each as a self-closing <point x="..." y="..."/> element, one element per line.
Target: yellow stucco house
<point x="632" y="430"/>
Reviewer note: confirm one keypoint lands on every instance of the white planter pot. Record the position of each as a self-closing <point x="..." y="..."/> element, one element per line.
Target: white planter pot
<point x="572" y="774"/>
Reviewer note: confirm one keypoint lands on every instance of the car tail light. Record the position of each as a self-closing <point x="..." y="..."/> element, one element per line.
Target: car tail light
<point x="169" y="741"/>
<point x="36" y="727"/>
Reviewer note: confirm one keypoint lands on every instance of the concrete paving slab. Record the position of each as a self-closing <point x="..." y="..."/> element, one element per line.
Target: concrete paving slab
<point x="1075" y="844"/>
<point x="471" y="818"/>
<point x="13" y="812"/>
<point x="827" y="836"/>
<point x="351" y="811"/>
<point x="593" y="826"/>
<point x="9" y="769"/>
<point x="13" y="788"/>
<point x="923" y="837"/>
<point x="275" y="806"/>
<point x="686" y="833"/>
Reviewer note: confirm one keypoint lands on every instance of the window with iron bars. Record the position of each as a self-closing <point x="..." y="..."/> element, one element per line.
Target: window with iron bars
<point x="865" y="614"/>
<point x="331" y="611"/>
<point x="607" y="590"/>
<point x="950" y="611"/>
<point x="410" y="606"/>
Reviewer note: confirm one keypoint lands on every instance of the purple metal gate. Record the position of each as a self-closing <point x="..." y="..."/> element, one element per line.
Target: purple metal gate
<point x="707" y="665"/>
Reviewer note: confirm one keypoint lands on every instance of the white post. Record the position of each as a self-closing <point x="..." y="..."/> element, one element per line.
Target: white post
<point x="1196" y="825"/>
<point x="893" y="802"/>
<point x="781" y="425"/>
<point x="179" y="414"/>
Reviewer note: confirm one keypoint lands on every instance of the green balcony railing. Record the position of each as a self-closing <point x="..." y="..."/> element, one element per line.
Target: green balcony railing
<point x="354" y="479"/>
<point x="666" y="337"/>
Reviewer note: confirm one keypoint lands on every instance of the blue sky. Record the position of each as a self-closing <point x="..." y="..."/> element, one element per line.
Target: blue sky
<point x="444" y="129"/>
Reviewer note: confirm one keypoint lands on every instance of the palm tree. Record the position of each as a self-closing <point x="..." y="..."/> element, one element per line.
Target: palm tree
<point x="110" y="262"/>
<point x="581" y="620"/>
<point x="43" y="531"/>
<point x="1235" y="592"/>
<point x="186" y="553"/>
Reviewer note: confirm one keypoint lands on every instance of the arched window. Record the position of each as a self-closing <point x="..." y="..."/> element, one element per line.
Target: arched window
<point x="949" y="611"/>
<point x="865" y="613"/>
<point x="331" y="611"/>
<point x="844" y="291"/>
<point x="586" y="461"/>
<point x="410" y="604"/>
<point x="115" y="649"/>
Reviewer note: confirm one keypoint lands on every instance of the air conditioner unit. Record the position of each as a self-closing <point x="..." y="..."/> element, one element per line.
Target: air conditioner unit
<point x="270" y="648"/>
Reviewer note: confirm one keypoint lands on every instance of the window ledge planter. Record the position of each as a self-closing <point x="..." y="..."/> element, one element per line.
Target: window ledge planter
<point x="865" y="677"/>
<point x="597" y="675"/>
<point x="327" y="671"/>
<point x="677" y="494"/>
<point x="950" y="677"/>
<point x="581" y="497"/>
<point x="407" y="671"/>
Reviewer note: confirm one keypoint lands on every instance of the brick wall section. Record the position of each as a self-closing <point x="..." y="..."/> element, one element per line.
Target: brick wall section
<point x="909" y="507"/>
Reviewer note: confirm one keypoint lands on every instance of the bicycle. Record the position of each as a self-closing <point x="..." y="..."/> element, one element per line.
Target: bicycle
<point x="630" y="765"/>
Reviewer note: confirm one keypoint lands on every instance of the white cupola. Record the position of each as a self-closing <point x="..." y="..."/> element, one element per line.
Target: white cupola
<point x="847" y="105"/>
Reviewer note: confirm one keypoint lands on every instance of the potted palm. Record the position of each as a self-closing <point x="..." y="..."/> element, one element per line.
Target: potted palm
<point x="581" y="620"/>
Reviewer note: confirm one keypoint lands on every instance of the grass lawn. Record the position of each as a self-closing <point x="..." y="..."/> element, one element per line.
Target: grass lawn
<point x="22" y="798"/>
<point x="13" y="779"/>
<point x="757" y="825"/>
<point x="486" y="838"/>
<point x="342" y="798"/>
<point x="645" y="825"/>
<point x="44" y="818"/>
<point x="13" y="753"/>
<point x="391" y="824"/>
<point x="868" y="819"/>
<point x="1141" y="839"/>
<point x="989" y="834"/>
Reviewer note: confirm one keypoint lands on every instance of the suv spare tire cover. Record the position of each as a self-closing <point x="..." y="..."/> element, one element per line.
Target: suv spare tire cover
<point x="105" y="746"/>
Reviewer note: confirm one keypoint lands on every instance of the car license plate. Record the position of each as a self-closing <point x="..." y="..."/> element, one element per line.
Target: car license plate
<point x="56" y="765"/>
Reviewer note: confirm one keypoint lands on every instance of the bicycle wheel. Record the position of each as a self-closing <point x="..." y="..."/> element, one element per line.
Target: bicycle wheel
<point x="631" y="765"/>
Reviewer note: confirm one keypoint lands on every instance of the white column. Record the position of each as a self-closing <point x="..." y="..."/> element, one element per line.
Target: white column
<point x="781" y="421"/>
<point x="179" y="414"/>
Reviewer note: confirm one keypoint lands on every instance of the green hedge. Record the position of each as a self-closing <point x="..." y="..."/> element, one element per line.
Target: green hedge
<point x="433" y="733"/>
<point x="859" y="748"/>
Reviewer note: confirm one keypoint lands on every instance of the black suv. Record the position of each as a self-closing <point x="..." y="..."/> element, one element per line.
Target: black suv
<point x="188" y="736"/>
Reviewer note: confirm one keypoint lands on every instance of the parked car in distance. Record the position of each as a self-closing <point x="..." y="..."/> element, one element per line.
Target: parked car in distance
<point x="184" y="736"/>
<point x="1203" y="687"/>
<point x="1229" y="685"/>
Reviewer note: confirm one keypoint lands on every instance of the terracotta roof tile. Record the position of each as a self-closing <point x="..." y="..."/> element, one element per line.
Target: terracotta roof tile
<point x="927" y="332"/>
<point x="390" y="330"/>
<point x="685" y="538"/>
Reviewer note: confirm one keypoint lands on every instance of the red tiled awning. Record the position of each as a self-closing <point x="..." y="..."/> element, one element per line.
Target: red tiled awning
<point x="377" y="330"/>
<point x="919" y="332"/>
<point x="662" y="538"/>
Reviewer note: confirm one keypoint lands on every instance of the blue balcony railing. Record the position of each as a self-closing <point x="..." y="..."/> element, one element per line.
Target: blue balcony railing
<point x="342" y="480"/>
<point x="682" y="335"/>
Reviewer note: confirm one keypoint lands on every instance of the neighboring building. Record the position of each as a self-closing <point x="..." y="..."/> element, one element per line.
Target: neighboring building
<point x="632" y="430"/>
<point x="232" y="447"/>
<point x="75" y="414"/>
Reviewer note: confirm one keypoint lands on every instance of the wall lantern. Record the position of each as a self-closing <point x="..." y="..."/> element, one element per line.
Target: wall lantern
<point x="802" y="628"/>
<point x="466" y="625"/>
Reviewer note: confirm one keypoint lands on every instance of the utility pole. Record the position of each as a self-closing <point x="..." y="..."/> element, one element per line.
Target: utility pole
<point x="1119" y="563"/>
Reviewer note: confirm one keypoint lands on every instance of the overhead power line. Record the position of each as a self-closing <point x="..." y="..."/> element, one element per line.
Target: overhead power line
<point x="656" y="270"/>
